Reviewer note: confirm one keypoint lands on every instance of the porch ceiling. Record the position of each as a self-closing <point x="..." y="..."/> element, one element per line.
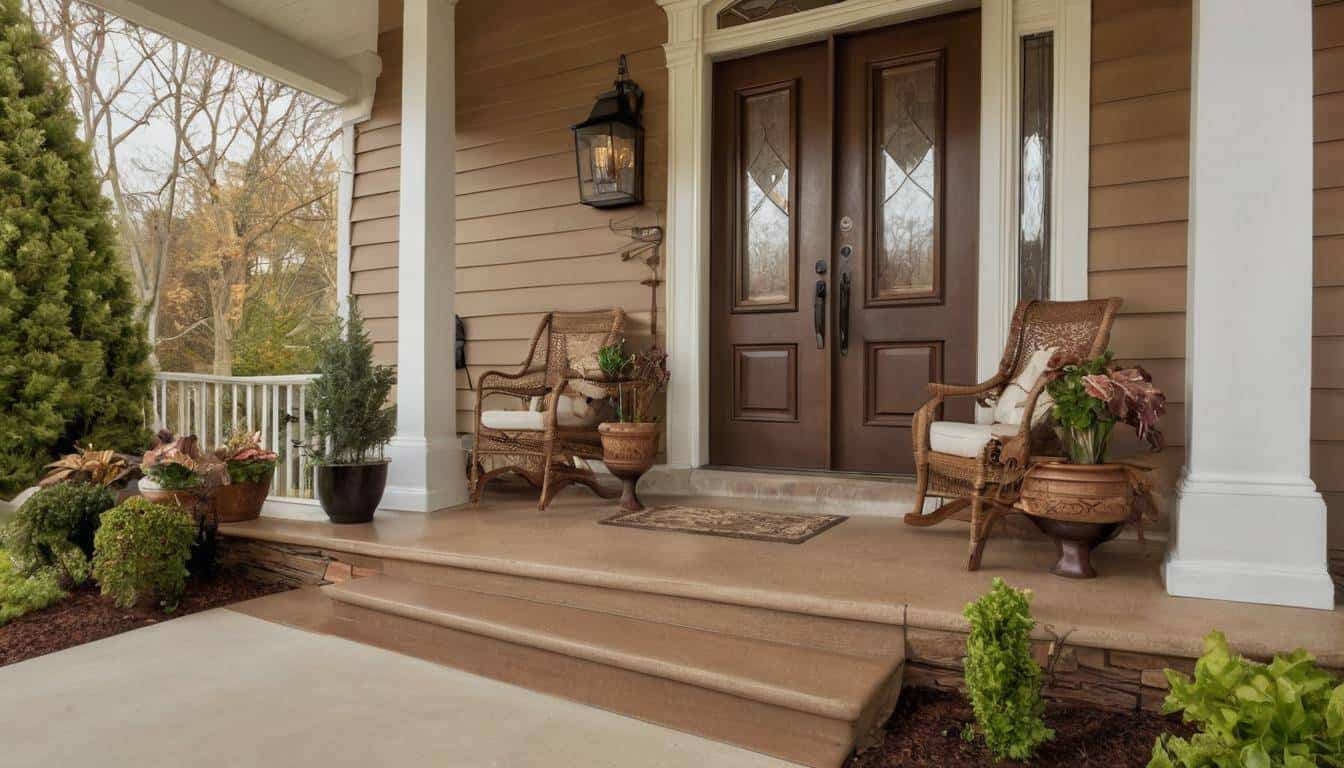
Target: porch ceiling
<point x="322" y="47"/>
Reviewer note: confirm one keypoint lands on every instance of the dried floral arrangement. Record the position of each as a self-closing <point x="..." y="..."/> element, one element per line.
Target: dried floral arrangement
<point x="108" y="469"/>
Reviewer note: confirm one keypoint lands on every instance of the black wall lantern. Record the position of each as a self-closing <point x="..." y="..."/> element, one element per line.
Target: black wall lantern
<point x="609" y="147"/>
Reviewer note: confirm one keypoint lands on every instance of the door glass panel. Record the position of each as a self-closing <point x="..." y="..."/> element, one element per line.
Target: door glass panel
<point x="1033" y="244"/>
<point x="765" y="260"/>
<point x="906" y="198"/>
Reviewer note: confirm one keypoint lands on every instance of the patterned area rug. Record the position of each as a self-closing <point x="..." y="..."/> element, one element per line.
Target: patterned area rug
<point x="733" y="523"/>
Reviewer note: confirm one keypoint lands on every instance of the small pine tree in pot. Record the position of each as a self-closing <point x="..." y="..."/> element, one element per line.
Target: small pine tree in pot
<point x="352" y="423"/>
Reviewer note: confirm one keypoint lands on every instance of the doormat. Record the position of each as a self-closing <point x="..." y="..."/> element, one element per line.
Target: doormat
<point x="732" y="523"/>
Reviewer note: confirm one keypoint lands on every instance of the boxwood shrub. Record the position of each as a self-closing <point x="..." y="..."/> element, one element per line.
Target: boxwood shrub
<point x="55" y="529"/>
<point x="141" y="551"/>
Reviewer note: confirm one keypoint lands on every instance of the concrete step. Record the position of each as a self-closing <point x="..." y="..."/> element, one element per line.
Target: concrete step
<point x="823" y="491"/>
<point x="789" y="627"/>
<point x="800" y="703"/>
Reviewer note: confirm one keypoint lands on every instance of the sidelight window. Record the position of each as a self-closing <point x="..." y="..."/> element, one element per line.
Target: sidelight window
<point x="1036" y="137"/>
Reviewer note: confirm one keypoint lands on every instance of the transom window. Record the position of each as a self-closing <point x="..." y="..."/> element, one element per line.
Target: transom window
<point x="748" y="11"/>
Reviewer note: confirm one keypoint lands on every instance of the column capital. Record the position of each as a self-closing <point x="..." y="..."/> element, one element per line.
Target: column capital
<point x="684" y="28"/>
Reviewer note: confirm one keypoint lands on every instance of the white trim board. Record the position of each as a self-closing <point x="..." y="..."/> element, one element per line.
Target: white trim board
<point x="692" y="46"/>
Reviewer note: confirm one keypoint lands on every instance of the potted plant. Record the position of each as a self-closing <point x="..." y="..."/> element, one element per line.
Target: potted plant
<point x="352" y="423"/>
<point x="178" y="475"/>
<point x="1084" y="501"/>
<point x="249" y="468"/>
<point x="630" y="444"/>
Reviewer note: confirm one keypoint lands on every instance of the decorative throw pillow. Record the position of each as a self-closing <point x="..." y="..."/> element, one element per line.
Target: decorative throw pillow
<point x="1008" y="408"/>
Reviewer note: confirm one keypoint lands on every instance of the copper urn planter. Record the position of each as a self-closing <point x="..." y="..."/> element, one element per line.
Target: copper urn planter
<point x="629" y="450"/>
<point x="238" y="502"/>
<point x="1080" y="507"/>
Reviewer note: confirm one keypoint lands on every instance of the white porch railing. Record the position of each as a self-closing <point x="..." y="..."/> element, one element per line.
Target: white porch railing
<point x="209" y="406"/>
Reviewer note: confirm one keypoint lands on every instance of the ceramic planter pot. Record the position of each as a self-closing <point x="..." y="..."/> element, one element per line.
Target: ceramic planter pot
<point x="629" y="450"/>
<point x="237" y="502"/>
<point x="1080" y="507"/>
<point x="350" y="493"/>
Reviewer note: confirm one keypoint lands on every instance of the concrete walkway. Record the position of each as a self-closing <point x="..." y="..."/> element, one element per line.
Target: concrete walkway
<point x="223" y="689"/>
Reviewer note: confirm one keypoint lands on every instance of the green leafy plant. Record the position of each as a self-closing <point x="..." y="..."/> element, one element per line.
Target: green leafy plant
<point x="352" y="420"/>
<point x="244" y="458"/>
<point x="1285" y="714"/>
<point x="1003" y="681"/>
<point x="174" y="463"/>
<point x="613" y="361"/>
<point x="140" y="553"/>
<point x="1091" y="396"/>
<point x="22" y="593"/>
<point x="54" y="529"/>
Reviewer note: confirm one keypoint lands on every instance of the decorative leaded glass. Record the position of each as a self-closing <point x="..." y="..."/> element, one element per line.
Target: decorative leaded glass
<point x="747" y="11"/>
<point x="907" y="184"/>
<point x="1033" y="244"/>
<point x="765" y="274"/>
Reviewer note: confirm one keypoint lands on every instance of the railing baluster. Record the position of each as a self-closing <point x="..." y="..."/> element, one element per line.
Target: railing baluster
<point x="217" y="389"/>
<point x="181" y="407"/>
<point x="303" y="438"/>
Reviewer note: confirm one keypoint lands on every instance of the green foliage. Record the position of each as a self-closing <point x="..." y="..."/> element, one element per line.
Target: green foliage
<point x="1003" y="680"/>
<point x="141" y="551"/>
<point x="1074" y="408"/>
<point x="22" y="593"/>
<point x="54" y="529"/>
<point x="613" y="361"/>
<point x="250" y="471"/>
<point x="352" y="420"/>
<point x="73" y="357"/>
<point x="276" y="339"/>
<point x="172" y="476"/>
<point x="1286" y="714"/>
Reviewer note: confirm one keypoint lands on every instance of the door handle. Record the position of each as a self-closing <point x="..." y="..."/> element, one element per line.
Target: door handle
<point x="844" y="313"/>
<point x="819" y="313"/>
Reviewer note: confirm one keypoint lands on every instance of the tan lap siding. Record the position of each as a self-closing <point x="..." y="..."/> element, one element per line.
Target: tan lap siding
<point x="1327" y="383"/>
<point x="373" y="214"/>
<point x="1140" y="192"/>
<point x="526" y="71"/>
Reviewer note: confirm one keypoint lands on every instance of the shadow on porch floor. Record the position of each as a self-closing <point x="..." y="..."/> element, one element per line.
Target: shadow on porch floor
<point x="869" y="568"/>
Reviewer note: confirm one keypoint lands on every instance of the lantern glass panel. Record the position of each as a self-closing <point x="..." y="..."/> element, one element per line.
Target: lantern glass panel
<point x="608" y="163"/>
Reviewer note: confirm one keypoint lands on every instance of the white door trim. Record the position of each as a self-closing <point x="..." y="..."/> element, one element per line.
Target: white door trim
<point x="693" y="44"/>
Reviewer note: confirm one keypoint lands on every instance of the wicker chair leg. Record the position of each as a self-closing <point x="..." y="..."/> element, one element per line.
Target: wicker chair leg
<point x="921" y="489"/>
<point x="977" y="533"/>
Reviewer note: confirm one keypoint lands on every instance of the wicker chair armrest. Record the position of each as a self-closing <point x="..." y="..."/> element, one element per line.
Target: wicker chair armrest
<point x="965" y="390"/>
<point x="511" y="384"/>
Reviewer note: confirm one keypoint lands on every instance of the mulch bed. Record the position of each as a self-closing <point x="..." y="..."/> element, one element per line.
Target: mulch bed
<point x="925" y="730"/>
<point x="86" y="616"/>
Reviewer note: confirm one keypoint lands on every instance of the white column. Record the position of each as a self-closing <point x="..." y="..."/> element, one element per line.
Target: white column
<point x="1249" y="524"/>
<point x="686" y="244"/>
<point x="428" y="463"/>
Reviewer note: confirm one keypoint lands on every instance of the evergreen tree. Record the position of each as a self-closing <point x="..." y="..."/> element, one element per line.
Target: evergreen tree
<point x="73" y="359"/>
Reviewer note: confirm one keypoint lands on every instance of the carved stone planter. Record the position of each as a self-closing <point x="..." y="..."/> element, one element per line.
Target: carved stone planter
<point x="1079" y="506"/>
<point x="629" y="450"/>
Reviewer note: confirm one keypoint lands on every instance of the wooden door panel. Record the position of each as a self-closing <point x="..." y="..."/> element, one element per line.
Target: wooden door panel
<point x="770" y="193"/>
<point x="907" y="169"/>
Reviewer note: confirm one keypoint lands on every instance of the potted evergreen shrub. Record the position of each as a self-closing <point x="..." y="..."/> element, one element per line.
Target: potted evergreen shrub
<point x="352" y="423"/>
<point x="630" y="444"/>
<point x="249" y="468"/>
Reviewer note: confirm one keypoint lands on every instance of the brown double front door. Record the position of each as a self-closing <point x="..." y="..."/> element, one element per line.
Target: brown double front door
<point x="844" y="212"/>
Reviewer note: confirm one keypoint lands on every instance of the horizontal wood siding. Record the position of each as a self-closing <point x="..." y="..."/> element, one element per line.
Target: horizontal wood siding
<point x="1327" y="385"/>
<point x="526" y="71"/>
<point x="1139" y="201"/>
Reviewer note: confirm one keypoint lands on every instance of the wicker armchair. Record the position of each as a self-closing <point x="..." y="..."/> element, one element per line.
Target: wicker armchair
<point x="988" y="464"/>
<point x="565" y="396"/>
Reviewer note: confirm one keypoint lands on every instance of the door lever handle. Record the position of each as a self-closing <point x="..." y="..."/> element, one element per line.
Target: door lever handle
<point x="819" y="313"/>
<point x="844" y="313"/>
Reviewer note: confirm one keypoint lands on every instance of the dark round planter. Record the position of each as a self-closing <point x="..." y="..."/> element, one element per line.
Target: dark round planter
<point x="350" y="492"/>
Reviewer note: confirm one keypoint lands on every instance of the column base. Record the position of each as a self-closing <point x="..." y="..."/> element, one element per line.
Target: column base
<point x="1251" y="542"/>
<point x="425" y="475"/>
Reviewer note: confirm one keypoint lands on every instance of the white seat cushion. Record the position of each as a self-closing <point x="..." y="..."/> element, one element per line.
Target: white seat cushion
<point x="1008" y="408"/>
<point x="958" y="439"/>
<point x="571" y="412"/>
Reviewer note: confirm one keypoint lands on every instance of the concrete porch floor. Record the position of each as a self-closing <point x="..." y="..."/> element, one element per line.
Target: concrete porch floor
<point x="870" y="568"/>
